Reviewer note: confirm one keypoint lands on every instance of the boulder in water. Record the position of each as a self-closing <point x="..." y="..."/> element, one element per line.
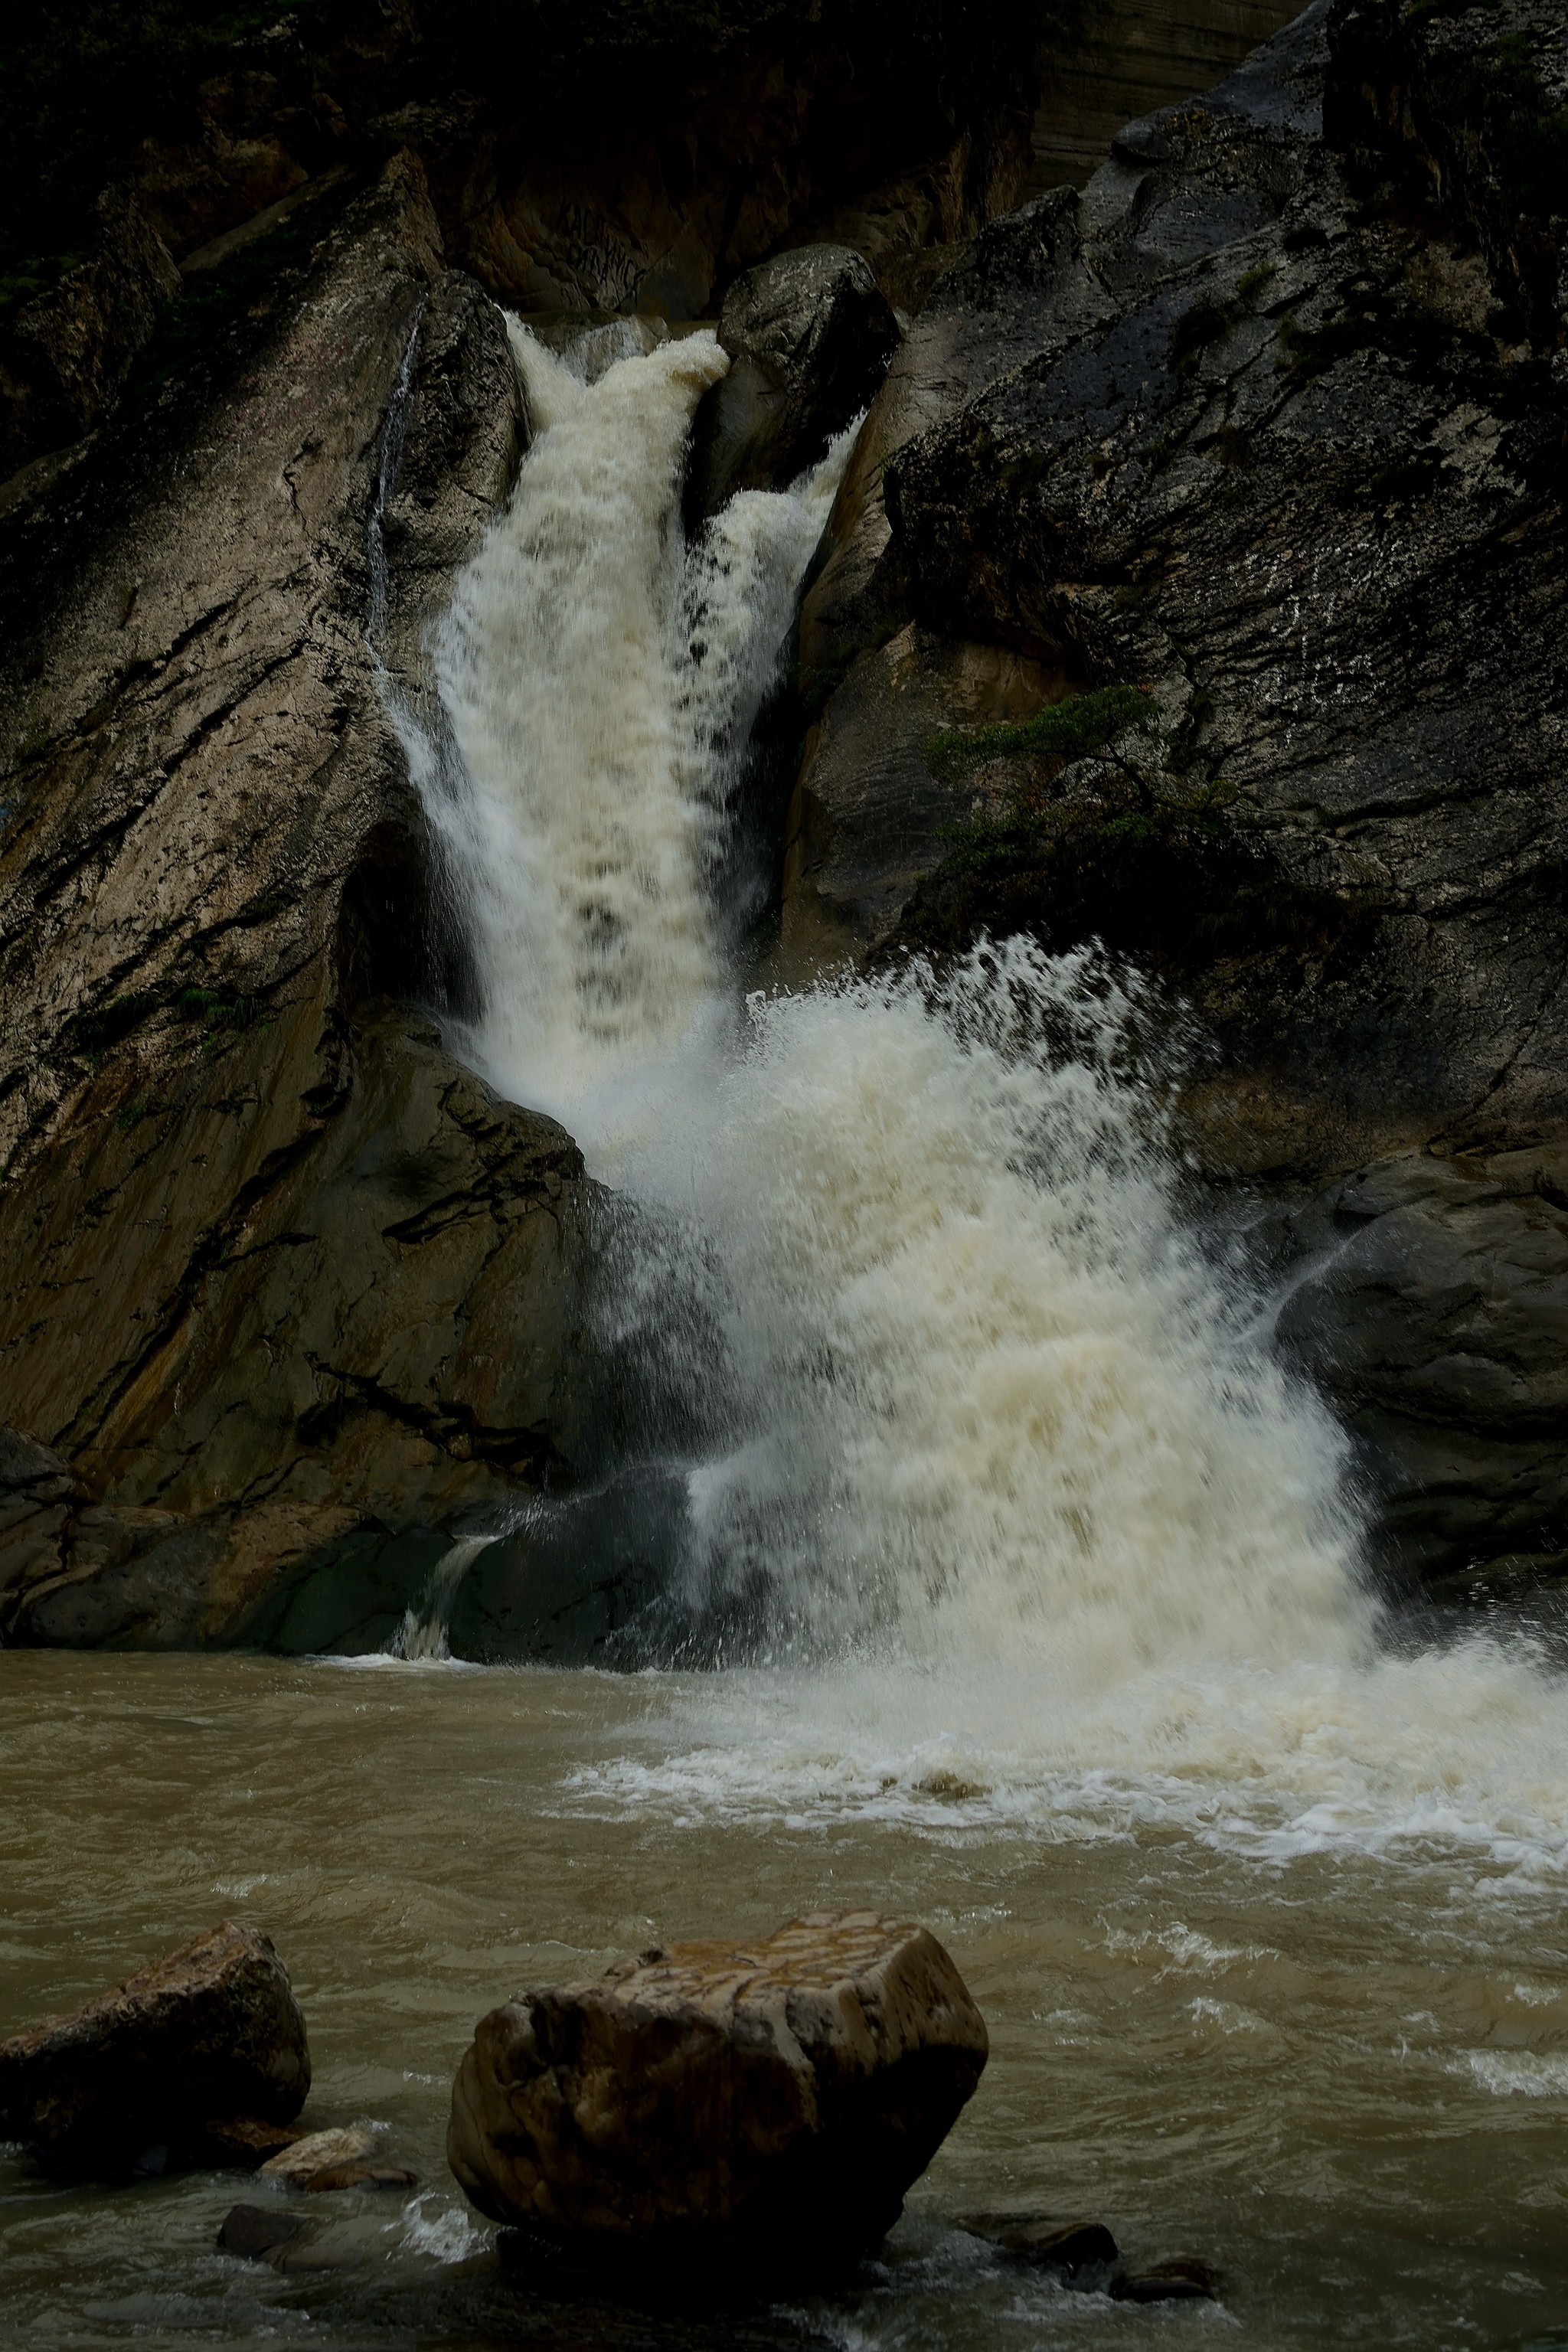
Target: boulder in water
<point x="766" y="2103"/>
<point x="1082" y="2253"/>
<point x="809" y="337"/>
<point x="212" y="2030"/>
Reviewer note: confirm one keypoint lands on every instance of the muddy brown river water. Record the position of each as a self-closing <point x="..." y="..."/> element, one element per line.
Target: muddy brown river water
<point x="1335" y="2064"/>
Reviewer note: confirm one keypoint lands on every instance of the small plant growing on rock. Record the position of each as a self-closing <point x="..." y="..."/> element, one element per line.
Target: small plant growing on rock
<point x="1066" y="731"/>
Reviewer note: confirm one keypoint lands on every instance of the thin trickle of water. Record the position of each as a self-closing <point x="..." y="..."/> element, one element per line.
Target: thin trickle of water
<point x="423" y="1633"/>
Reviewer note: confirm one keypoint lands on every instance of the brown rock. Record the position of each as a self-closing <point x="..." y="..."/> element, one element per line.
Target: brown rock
<point x="212" y="2029"/>
<point x="770" y="2100"/>
<point x="318" y="2150"/>
<point x="342" y="1233"/>
<point x="1083" y="2251"/>
<point x="361" y="2176"/>
<point x="243" y="2142"/>
<point x="1185" y="2278"/>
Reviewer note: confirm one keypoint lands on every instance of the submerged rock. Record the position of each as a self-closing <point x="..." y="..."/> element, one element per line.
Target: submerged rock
<point x="1183" y="2278"/>
<point x="211" y="2030"/>
<point x="1084" y="2253"/>
<point x="256" y="2231"/>
<point x="766" y="2103"/>
<point x="809" y="338"/>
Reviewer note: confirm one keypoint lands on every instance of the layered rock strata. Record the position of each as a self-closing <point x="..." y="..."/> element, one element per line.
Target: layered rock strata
<point x="279" y="1275"/>
<point x="767" y="2104"/>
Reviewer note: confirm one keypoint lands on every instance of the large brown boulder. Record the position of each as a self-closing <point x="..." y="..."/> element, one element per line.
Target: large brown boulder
<point x="210" y="2033"/>
<point x="769" y="2102"/>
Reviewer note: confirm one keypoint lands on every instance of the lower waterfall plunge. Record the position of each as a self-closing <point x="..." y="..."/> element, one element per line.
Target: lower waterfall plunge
<point x="994" y="1477"/>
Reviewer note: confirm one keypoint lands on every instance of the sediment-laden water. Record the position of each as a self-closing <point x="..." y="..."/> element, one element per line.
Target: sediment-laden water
<point x="1336" y="2062"/>
<point x="1030" y="1587"/>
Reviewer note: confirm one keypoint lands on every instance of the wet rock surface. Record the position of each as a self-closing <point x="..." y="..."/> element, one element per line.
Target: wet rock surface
<point x="765" y="2104"/>
<point x="1269" y="424"/>
<point x="1083" y="2253"/>
<point x="1428" y="1299"/>
<point x="1185" y="2278"/>
<point x="809" y="337"/>
<point x="211" y="2032"/>
<point x="343" y="1310"/>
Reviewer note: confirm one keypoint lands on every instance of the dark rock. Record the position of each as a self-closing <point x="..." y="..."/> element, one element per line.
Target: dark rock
<point x="809" y="338"/>
<point x="1185" y="2278"/>
<point x="870" y="813"/>
<point x="65" y="356"/>
<point x="1085" y="2253"/>
<point x="568" y="1586"/>
<point x="213" y="2029"/>
<point x="766" y="2105"/>
<point x="1232" y="471"/>
<point x="255" y="2231"/>
<point x="625" y="158"/>
<point x="1433" y="1309"/>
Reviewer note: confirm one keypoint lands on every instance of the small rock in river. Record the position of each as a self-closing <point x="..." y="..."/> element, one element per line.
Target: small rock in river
<point x="254" y="2231"/>
<point x="318" y="2151"/>
<point x="1085" y="2253"/>
<point x="361" y="2176"/>
<point x="1185" y="2278"/>
<point x="768" y="2101"/>
<point x="212" y="2030"/>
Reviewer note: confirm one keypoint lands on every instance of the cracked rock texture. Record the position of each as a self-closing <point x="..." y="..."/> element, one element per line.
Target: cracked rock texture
<point x="279" y="1275"/>
<point x="768" y="2101"/>
<point x="1273" y="425"/>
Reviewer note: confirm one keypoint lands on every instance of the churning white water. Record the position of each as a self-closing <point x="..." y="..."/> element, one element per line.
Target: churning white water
<point x="996" y="1480"/>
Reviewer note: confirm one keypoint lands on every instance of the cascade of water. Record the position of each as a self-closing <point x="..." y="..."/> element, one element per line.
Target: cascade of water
<point x="968" y="1371"/>
<point x="966" y="1397"/>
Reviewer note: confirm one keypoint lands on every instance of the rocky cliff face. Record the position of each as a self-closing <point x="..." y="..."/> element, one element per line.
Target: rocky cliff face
<point x="278" y="1274"/>
<point x="610" y="156"/>
<point x="1257" y="447"/>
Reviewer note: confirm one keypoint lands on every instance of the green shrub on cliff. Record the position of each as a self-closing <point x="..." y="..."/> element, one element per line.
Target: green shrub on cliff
<point x="1066" y="731"/>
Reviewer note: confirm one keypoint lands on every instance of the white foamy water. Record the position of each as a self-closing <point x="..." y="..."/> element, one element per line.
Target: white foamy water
<point x="601" y="684"/>
<point x="1006" y="1510"/>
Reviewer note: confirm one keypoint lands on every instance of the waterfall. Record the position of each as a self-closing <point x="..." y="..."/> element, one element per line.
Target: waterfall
<point x="952" y="1363"/>
<point x="985" y="1460"/>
